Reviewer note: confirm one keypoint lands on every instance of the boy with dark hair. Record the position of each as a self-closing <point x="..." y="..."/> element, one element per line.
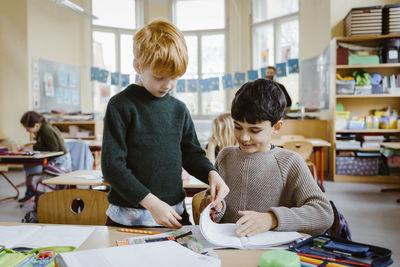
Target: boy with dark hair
<point x="270" y="188"/>
<point x="149" y="135"/>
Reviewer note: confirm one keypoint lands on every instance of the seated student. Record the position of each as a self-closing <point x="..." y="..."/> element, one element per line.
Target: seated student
<point x="222" y="136"/>
<point x="270" y="188"/>
<point x="47" y="138"/>
<point x="270" y="75"/>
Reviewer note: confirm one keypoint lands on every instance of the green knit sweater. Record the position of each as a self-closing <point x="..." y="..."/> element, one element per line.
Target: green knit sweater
<point x="146" y="141"/>
<point x="49" y="139"/>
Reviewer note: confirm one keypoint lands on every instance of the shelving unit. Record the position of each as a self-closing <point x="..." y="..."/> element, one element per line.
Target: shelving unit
<point x="94" y="127"/>
<point x="362" y="104"/>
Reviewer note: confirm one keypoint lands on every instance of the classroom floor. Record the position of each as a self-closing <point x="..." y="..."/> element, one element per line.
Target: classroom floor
<point x="374" y="217"/>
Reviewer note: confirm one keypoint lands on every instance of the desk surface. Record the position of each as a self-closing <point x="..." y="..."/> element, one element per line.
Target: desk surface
<point x="104" y="236"/>
<point x="41" y="155"/>
<point x="316" y="142"/>
<point x="73" y="178"/>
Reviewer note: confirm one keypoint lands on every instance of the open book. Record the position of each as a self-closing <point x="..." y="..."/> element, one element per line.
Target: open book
<point x="224" y="235"/>
<point x="163" y="253"/>
<point x="36" y="236"/>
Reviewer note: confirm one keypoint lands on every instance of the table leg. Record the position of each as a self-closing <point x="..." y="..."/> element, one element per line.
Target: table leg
<point x="11" y="183"/>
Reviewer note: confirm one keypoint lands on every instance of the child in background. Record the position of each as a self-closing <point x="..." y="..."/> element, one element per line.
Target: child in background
<point x="47" y="138"/>
<point x="270" y="188"/>
<point x="222" y="136"/>
<point x="149" y="135"/>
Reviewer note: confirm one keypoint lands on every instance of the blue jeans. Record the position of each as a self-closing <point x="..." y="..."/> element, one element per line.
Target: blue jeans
<point x="62" y="161"/>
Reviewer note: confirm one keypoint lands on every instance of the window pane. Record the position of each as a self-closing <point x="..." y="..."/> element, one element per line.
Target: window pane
<point x="104" y="50"/>
<point x="213" y="102"/>
<point x="200" y="14"/>
<point x="269" y="9"/>
<point x="263" y="46"/>
<point x="116" y="13"/>
<point x="288" y="40"/>
<point x="192" y="69"/>
<point x="213" y="54"/>
<point x="190" y="99"/>
<point x="127" y="56"/>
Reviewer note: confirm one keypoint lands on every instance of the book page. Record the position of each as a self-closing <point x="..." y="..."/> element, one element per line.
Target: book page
<point x="12" y="235"/>
<point x="163" y="253"/>
<point x="223" y="234"/>
<point x="56" y="235"/>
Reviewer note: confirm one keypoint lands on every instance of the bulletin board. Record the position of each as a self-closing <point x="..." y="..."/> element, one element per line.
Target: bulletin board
<point x="55" y="86"/>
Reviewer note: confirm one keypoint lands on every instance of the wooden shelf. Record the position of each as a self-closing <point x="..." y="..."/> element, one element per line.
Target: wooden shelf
<point x="383" y="65"/>
<point x="368" y="96"/>
<point x="370" y="131"/>
<point x="95" y="129"/>
<point x="350" y="39"/>
<point x="361" y="149"/>
<point x="385" y="179"/>
<point x="72" y="122"/>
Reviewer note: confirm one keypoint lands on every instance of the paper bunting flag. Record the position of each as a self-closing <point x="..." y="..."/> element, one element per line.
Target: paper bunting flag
<point x="115" y="78"/>
<point x="252" y="75"/>
<point x="125" y="80"/>
<point x="93" y="73"/>
<point x="192" y="85"/>
<point x="181" y="86"/>
<point x="227" y="81"/>
<point x="204" y="85"/>
<point x="239" y="78"/>
<point x="293" y="65"/>
<point x="214" y="84"/>
<point x="281" y="70"/>
<point x="263" y="72"/>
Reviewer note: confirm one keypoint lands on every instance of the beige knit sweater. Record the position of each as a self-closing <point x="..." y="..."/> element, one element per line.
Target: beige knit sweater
<point x="277" y="180"/>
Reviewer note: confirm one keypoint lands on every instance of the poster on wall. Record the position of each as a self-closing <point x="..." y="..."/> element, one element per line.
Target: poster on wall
<point x="57" y="86"/>
<point x="48" y="84"/>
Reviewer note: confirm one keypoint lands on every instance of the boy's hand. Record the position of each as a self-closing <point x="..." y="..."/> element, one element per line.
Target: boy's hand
<point x="207" y="200"/>
<point x="253" y="222"/>
<point x="162" y="213"/>
<point x="218" y="188"/>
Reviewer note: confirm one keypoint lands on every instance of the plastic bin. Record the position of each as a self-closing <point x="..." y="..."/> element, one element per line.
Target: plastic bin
<point x="345" y="87"/>
<point x="347" y="165"/>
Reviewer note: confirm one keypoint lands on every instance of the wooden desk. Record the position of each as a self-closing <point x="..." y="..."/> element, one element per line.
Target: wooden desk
<point x="105" y="236"/>
<point x="318" y="147"/>
<point x="37" y="159"/>
<point x="191" y="185"/>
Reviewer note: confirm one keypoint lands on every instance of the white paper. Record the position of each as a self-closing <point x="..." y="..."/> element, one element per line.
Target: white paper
<point x="163" y="253"/>
<point x="223" y="234"/>
<point x="34" y="236"/>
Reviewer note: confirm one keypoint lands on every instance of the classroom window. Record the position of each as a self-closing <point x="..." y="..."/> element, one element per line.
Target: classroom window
<point x="203" y="24"/>
<point x="112" y="49"/>
<point x="276" y="38"/>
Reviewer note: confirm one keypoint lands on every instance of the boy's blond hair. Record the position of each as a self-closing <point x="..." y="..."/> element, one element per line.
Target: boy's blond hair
<point x="161" y="47"/>
<point x="223" y="131"/>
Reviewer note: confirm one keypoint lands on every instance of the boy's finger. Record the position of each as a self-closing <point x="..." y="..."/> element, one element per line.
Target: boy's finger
<point x="212" y="192"/>
<point x="174" y="223"/>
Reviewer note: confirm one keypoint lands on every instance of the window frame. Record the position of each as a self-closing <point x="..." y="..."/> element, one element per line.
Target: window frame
<point x="118" y="32"/>
<point x="199" y="34"/>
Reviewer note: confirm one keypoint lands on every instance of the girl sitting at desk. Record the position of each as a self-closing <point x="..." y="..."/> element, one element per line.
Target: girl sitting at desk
<point x="47" y="139"/>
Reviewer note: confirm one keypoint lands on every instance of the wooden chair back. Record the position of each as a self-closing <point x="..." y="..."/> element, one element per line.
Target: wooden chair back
<point x="61" y="206"/>
<point x="304" y="148"/>
<point x="292" y="137"/>
<point x="196" y="206"/>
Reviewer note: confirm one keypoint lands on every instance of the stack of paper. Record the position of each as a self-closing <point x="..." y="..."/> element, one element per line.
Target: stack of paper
<point x="391" y="19"/>
<point x="364" y="21"/>
<point x="348" y="145"/>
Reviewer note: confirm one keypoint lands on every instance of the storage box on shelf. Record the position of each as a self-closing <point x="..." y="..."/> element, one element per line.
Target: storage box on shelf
<point x="346" y="168"/>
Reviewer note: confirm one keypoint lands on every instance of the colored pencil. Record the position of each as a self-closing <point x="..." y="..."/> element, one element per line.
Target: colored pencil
<point x="317" y="262"/>
<point x="334" y="260"/>
<point x="139" y="231"/>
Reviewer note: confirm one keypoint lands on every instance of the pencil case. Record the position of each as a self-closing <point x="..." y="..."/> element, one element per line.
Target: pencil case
<point x="343" y="251"/>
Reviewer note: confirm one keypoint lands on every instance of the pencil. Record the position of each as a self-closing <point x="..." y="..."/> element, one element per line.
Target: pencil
<point x="317" y="262"/>
<point x="138" y="231"/>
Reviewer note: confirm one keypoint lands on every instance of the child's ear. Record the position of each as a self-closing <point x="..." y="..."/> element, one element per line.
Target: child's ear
<point x="277" y="127"/>
<point x="136" y="66"/>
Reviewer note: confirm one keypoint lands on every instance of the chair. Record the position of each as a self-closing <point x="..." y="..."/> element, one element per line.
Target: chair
<point x="304" y="148"/>
<point x="196" y="206"/>
<point x="292" y="137"/>
<point x="61" y="206"/>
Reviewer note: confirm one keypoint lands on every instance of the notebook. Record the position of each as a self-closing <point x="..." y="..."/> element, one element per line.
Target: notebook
<point x="36" y="236"/>
<point x="163" y="253"/>
<point x="223" y="235"/>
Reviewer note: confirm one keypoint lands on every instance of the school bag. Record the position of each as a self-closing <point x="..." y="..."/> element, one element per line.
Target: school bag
<point x="340" y="227"/>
